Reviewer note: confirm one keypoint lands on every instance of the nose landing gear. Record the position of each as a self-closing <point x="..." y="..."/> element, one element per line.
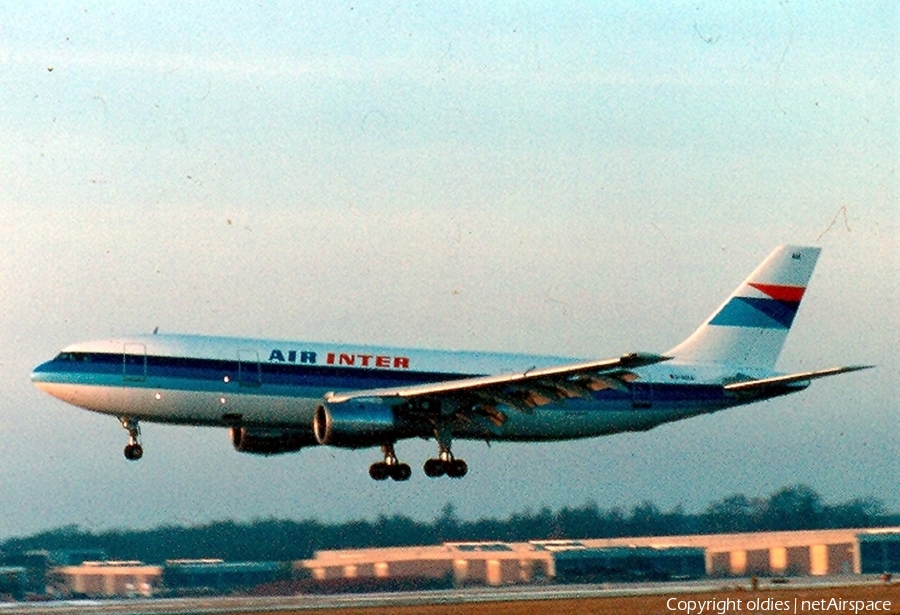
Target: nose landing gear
<point x="390" y="467"/>
<point x="133" y="450"/>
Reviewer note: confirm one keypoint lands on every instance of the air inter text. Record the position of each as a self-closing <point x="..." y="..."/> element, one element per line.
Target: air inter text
<point x="310" y="357"/>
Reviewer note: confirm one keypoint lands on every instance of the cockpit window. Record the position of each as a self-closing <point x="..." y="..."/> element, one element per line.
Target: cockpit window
<point x="73" y="356"/>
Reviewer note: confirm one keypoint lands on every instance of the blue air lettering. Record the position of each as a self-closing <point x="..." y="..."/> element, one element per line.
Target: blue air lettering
<point x="293" y="356"/>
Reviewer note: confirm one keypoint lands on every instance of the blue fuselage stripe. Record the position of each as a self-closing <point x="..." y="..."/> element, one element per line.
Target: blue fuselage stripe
<point x="300" y="380"/>
<point x="212" y="373"/>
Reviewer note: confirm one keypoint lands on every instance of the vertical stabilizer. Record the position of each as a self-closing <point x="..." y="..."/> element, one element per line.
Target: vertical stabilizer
<point x="751" y="326"/>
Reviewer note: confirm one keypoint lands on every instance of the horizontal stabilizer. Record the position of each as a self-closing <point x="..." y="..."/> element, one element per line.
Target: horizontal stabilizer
<point x="764" y="384"/>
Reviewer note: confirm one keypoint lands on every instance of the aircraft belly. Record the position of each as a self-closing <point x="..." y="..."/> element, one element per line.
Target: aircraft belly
<point x="603" y="422"/>
<point x="188" y="407"/>
<point x="230" y="409"/>
<point x="563" y="422"/>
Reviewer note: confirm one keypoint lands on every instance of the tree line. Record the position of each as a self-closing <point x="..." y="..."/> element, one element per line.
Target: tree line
<point x="796" y="507"/>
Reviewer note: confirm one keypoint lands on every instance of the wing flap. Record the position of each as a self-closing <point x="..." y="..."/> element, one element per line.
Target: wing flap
<point x="523" y="390"/>
<point x="763" y="384"/>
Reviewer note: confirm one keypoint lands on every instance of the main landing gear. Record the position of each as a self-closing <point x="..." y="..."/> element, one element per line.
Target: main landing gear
<point x="390" y="467"/>
<point x="446" y="463"/>
<point x="133" y="450"/>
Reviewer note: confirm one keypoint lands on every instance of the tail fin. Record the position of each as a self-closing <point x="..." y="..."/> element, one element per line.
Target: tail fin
<point x="750" y="328"/>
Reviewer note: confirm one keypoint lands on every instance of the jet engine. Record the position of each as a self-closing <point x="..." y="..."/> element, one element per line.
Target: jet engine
<point x="270" y="441"/>
<point x="354" y="424"/>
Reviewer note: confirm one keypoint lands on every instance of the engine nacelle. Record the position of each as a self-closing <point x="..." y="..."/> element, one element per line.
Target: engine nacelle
<point x="270" y="441"/>
<point x="354" y="424"/>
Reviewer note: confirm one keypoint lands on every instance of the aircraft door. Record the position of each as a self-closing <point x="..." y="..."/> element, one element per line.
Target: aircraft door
<point x="641" y="395"/>
<point x="249" y="369"/>
<point x="134" y="362"/>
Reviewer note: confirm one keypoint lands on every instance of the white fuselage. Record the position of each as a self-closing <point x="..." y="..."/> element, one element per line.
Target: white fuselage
<point x="198" y="380"/>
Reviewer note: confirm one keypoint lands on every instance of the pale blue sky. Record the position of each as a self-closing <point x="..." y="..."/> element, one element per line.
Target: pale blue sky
<point x="559" y="178"/>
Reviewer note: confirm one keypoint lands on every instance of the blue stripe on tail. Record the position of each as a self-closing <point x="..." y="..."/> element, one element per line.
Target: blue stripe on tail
<point x="760" y="313"/>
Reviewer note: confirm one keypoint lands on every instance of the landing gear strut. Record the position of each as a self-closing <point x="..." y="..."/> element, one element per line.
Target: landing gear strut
<point x="390" y="467"/>
<point x="134" y="450"/>
<point x="445" y="463"/>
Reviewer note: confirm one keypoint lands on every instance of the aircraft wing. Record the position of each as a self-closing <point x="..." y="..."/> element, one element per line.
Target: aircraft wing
<point x="764" y="384"/>
<point x="523" y="391"/>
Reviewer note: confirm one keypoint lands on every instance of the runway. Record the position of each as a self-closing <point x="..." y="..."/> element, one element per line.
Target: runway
<point x="440" y="598"/>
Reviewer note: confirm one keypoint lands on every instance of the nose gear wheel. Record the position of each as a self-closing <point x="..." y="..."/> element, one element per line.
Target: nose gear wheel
<point x="133" y="450"/>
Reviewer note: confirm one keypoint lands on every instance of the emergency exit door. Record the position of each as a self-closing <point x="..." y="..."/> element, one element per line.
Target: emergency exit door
<point x="249" y="369"/>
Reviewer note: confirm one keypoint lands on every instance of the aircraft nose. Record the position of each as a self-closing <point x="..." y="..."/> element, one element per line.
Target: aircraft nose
<point x="38" y="371"/>
<point x="49" y="377"/>
<point x="42" y="373"/>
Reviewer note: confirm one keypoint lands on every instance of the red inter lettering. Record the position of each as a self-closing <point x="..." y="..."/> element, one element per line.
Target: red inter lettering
<point x="347" y="359"/>
<point x="382" y="361"/>
<point x="330" y="358"/>
<point x="401" y="362"/>
<point x="365" y="359"/>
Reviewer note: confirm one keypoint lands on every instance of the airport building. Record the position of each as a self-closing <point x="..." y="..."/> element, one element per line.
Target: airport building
<point x="763" y="554"/>
<point x="13" y="581"/>
<point x="767" y="554"/>
<point x="132" y="578"/>
<point x="460" y="563"/>
<point x="794" y="553"/>
<point x="216" y="575"/>
<point x="628" y="563"/>
<point x="880" y="552"/>
<point x="502" y="563"/>
<point x="107" y="578"/>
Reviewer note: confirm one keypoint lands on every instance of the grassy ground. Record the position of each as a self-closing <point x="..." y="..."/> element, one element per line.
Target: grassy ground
<point x="783" y="600"/>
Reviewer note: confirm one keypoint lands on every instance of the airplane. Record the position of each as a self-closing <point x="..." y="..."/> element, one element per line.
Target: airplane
<point x="281" y="396"/>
